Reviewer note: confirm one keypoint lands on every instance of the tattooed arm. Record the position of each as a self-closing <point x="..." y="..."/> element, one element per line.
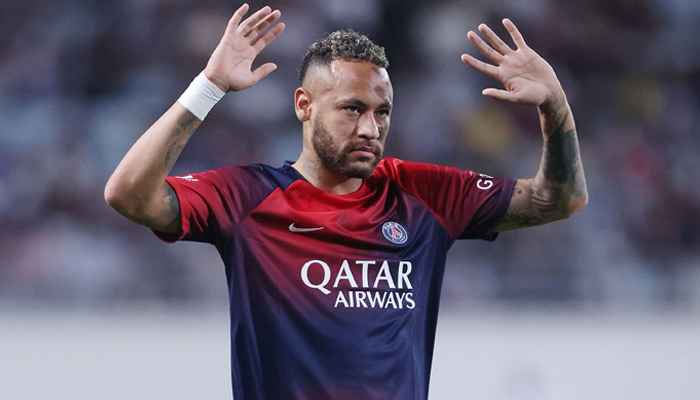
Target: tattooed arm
<point x="137" y="189"/>
<point x="559" y="188"/>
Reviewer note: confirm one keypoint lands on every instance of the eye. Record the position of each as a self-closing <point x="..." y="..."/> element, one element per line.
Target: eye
<point x="352" y="109"/>
<point x="383" y="113"/>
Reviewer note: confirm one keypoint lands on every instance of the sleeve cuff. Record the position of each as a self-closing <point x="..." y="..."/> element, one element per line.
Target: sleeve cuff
<point x="496" y="216"/>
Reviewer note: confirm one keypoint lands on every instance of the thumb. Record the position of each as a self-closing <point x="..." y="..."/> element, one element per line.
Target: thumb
<point x="263" y="71"/>
<point x="500" y="94"/>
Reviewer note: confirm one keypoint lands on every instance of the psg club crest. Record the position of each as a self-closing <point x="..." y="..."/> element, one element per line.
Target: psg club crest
<point x="395" y="232"/>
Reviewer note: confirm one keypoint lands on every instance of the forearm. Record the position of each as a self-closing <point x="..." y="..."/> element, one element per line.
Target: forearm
<point x="137" y="188"/>
<point x="559" y="188"/>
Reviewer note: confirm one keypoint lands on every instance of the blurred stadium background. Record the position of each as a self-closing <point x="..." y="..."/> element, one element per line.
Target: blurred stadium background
<point x="603" y="305"/>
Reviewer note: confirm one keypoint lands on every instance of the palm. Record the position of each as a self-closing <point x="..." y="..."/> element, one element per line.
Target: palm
<point x="230" y="65"/>
<point x="527" y="77"/>
<point x="232" y="62"/>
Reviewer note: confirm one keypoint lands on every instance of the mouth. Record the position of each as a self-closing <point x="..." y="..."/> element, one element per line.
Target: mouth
<point x="366" y="151"/>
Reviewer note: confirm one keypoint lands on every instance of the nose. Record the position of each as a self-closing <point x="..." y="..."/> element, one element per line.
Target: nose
<point x="368" y="128"/>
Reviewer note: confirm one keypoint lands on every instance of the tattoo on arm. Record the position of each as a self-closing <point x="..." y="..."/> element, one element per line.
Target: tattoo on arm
<point x="559" y="152"/>
<point x="186" y="127"/>
<point x="521" y="217"/>
<point x="520" y="213"/>
<point x="561" y="158"/>
<point x="169" y="218"/>
<point x="549" y="195"/>
<point x="561" y="161"/>
<point x="561" y="173"/>
<point x="172" y="206"/>
<point x="546" y="202"/>
<point x="168" y="211"/>
<point x="532" y="206"/>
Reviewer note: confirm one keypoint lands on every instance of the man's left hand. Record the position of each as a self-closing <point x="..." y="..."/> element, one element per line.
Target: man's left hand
<point x="527" y="77"/>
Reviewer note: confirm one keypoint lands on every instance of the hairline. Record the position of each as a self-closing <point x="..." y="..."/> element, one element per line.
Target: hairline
<point x="326" y="66"/>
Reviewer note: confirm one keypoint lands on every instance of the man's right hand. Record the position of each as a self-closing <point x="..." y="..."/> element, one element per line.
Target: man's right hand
<point x="230" y="65"/>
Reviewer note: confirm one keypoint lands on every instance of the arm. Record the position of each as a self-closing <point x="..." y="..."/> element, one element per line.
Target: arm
<point x="558" y="190"/>
<point x="137" y="189"/>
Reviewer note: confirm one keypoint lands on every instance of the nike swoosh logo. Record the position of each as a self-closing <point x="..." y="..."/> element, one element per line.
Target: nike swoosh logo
<point x="295" y="229"/>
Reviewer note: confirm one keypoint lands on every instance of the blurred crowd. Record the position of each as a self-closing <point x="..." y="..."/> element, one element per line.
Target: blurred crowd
<point x="81" y="80"/>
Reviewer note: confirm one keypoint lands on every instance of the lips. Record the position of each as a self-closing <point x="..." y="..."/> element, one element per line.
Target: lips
<point x="366" y="151"/>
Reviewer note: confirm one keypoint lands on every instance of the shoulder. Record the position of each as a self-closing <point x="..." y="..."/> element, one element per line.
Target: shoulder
<point x="394" y="167"/>
<point x="230" y="175"/>
<point x="399" y="170"/>
<point x="391" y="164"/>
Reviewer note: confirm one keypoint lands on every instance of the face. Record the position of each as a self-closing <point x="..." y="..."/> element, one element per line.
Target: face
<point x="351" y="117"/>
<point x="349" y="159"/>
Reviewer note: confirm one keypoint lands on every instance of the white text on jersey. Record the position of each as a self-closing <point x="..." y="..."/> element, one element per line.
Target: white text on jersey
<point x="390" y="284"/>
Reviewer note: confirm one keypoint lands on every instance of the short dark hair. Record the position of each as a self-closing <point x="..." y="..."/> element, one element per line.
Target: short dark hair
<point x="345" y="45"/>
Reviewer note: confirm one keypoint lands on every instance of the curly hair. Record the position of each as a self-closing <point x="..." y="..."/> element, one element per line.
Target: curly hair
<point x="343" y="45"/>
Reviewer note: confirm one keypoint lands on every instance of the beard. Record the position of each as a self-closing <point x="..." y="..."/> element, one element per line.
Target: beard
<point x="337" y="158"/>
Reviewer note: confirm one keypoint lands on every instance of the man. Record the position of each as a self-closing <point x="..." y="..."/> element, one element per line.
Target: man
<point x="334" y="263"/>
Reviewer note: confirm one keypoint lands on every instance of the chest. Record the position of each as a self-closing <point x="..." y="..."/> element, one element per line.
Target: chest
<point x="387" y="242"/>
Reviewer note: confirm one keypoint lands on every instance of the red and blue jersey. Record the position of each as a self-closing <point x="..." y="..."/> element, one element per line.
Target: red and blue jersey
<point x="336" y="296"/>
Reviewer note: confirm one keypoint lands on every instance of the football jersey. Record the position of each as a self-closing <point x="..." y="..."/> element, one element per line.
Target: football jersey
<point x="336" y="296"/>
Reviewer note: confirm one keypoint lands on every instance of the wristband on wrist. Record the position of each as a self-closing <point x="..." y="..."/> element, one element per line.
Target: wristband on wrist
<point x="201" y="96"/>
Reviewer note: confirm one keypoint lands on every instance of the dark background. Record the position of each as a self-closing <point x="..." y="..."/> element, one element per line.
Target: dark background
<point x="80" y="80"/>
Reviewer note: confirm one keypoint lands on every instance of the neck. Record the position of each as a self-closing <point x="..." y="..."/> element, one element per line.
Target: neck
<point x="323" y="178"/>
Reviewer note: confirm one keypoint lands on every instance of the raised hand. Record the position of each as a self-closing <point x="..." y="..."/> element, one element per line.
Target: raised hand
<point x="230" y="65"/>
<point x="527" y="77"/>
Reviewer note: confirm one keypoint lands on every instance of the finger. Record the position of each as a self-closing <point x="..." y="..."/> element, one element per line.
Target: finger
<point x="500" y="94"/>
<point x="480" y="66"/>
<point x="236" y="18"/>
<point x="264" y="24"/>
<point x="514" y="33"/>
<point x="269" y="36"/>
<point x="496" y="41"/>
<point x="484" y="48"/>
<point x="263" y="71"/>
<point x="248" y="24"/>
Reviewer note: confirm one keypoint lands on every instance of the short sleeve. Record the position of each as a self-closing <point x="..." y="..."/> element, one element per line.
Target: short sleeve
<point x="212" y="202"/>
<point x="201" y="206"/>
<point x="467" y="204"/>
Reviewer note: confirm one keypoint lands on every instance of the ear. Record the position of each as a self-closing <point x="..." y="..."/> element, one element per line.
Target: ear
<point x="302" y="104"/>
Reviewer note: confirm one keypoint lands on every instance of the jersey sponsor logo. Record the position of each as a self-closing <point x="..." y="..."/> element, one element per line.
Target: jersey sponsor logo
<point x="295" y="229"/>
<point x="390" y="287"/>
<point x="375" y="299"/>
<point x="395" y="232"/>
<point x="484" y="184"/>
<point x="188" y="178"/>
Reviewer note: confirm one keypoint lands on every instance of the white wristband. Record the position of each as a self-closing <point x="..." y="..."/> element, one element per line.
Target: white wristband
<point x="201" y="96"/>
